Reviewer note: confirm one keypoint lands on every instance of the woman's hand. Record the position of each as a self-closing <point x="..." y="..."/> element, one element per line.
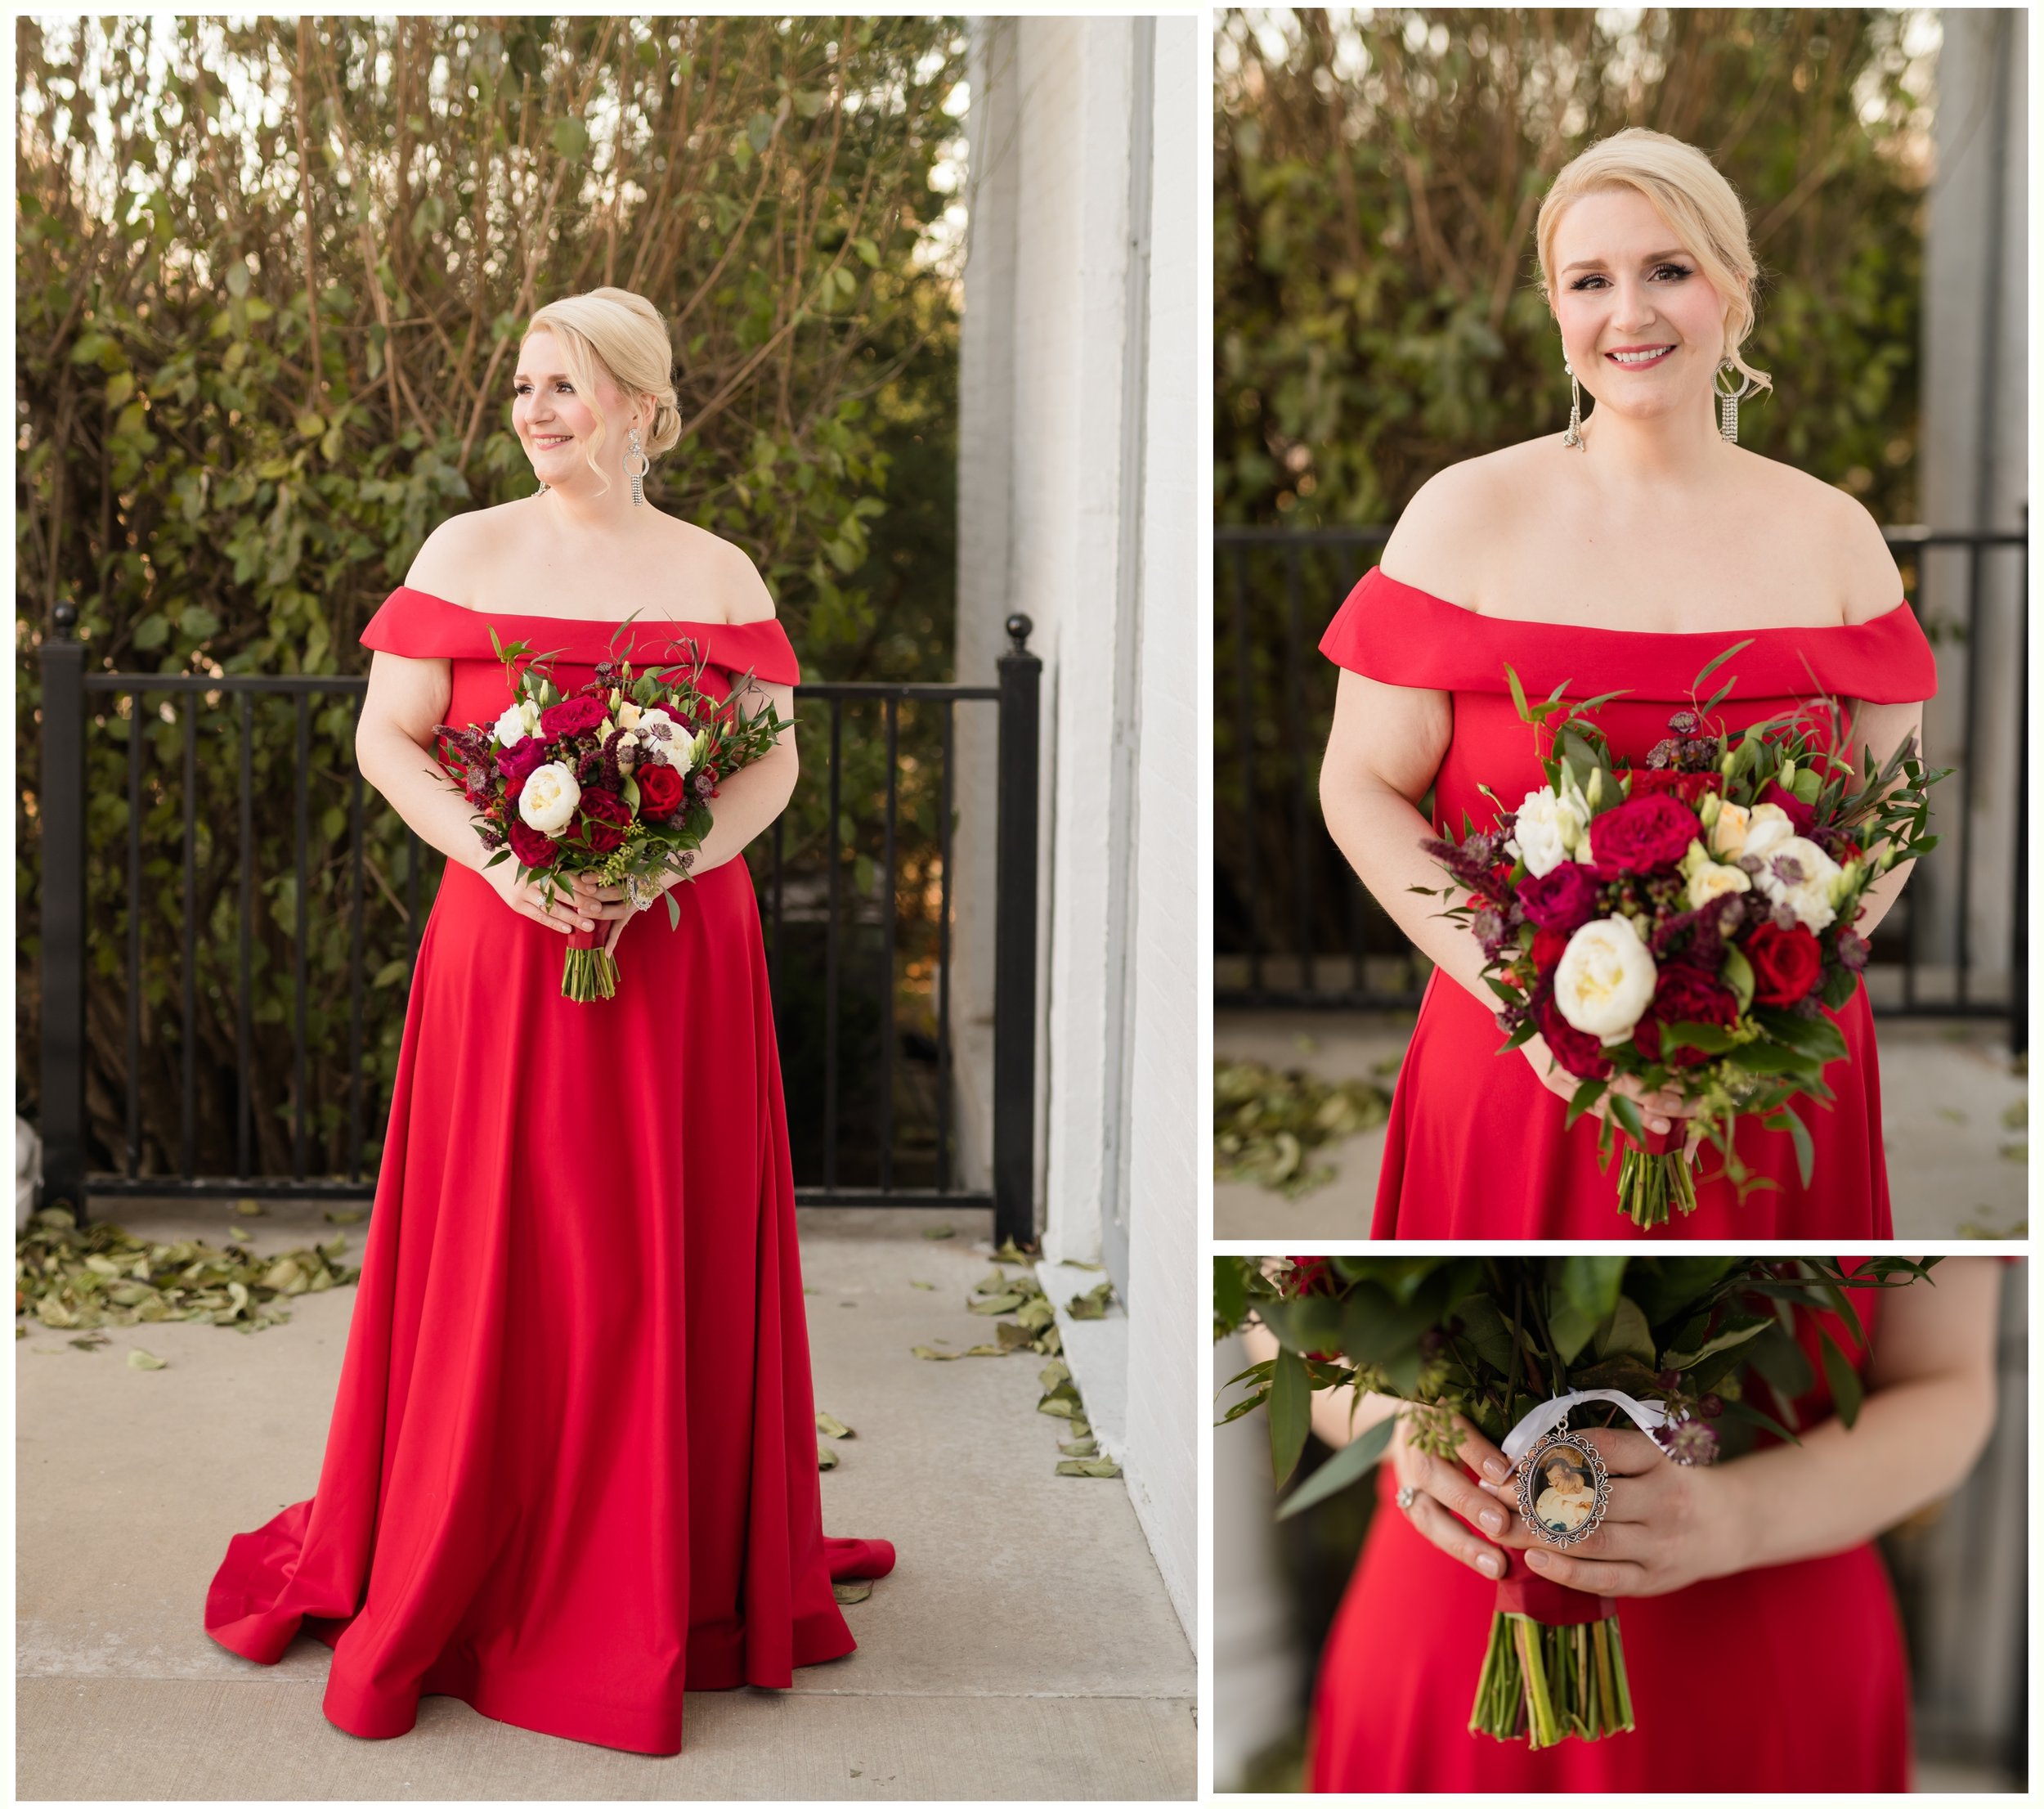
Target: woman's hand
<point x="579" y="907"/>
<point x="1657" y="1110"/>
<point x="1444" y="1490"/>
<point x="1666" y="1525"/>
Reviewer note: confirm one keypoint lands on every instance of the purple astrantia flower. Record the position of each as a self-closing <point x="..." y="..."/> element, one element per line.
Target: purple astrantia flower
<point x="1689" y="1441"/>
<point x="1853" y="950"/>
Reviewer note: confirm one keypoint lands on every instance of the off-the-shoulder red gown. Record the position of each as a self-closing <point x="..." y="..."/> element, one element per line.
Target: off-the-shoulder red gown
<point x="1476" y="1146"/>
<point x="572" y="1468"/>
<point x="1789" y="1678"/>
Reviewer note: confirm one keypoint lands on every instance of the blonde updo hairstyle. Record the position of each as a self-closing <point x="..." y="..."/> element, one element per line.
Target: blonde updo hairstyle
<point x="1701" y="208"/>
<point x="621" y="336"/>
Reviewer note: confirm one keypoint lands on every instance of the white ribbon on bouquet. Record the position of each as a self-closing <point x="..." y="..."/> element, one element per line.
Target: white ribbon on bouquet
<point x="1649" y="1416"/>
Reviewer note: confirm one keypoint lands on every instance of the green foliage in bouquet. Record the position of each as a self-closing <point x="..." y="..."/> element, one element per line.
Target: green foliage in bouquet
<point x="1710" y="1338"/>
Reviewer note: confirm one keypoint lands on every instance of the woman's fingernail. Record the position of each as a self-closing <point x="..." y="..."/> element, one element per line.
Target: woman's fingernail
<point x="1493" y="1565"/>
<point x="1496" y="1469"/>
<point x="1493" y="1521"/>
<point x="1540" y="1560"/>
<point x="1658" y="1126"/>
<point x="587" y="925"/>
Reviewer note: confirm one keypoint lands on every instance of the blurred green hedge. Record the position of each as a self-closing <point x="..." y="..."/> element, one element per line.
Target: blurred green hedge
<point x="271" y="280"/>
<point x="1377" y="311"/>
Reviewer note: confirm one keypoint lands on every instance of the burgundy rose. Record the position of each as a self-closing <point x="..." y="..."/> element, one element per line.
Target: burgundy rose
<point x="1581" y="1053"/>
<point x="1803" y="815"/>
<point x="1643" y="833"/>
<point x="659" y="790"/>
<point x="521" y="759"/>
<point x="572" y="716"/>
<point x="1563" y="898"/>
<point x="1647" y="781"/>
<point x="1684" y="994"/>
<point x="532" y="848"/>
<point x="605" y="817"/>
<point x="1313" y="1275"/>
<point x="1549" y="947"/>
<point x="1787" y="963"/>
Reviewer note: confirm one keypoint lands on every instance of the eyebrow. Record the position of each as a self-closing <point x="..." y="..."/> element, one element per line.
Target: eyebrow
<point x="1651" y="258"/>
<point x="552" y="376"/>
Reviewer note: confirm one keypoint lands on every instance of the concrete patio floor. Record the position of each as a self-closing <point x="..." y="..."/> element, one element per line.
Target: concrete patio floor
<point x="1024" y="1646"/>
<point x="1955" y="1168"/>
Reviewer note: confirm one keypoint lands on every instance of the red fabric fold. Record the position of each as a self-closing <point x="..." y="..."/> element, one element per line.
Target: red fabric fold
<point x="1522" y="1591"/>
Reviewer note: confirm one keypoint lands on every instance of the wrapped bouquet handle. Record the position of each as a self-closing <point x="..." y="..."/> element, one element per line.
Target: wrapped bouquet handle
<point x="1555" y="1668"/>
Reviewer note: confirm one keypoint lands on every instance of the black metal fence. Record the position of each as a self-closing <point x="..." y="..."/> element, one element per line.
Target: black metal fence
<point x="1294" y="927"/>
<point x="307" y="928"/>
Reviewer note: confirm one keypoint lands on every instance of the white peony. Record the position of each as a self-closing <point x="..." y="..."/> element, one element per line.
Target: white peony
<point x="548" y="801"/>
<point x="1767" y="826"/>
<point x="1547" y="830"/>
<point x="1605" y="981"/>
<point x="1814" y="895"/>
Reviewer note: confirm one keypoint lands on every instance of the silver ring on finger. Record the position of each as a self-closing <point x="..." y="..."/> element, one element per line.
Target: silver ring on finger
<point x="1407" y="1495"/>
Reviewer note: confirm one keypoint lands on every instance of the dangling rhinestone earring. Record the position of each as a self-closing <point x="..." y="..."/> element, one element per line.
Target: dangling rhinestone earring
<point x="1728" y="400"/>
<point x="638" y="464"/>
<point x="1573" y="436"/>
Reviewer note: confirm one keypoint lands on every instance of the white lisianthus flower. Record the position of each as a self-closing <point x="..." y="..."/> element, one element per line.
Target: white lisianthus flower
<point x="1767" y="826"/>
<point x="548" y="801"/>
<point x="627" y="716"/>
<point x="1606" y="978"/>
<point x="1710" y="880"/>
<point x="669" y="741"/>
<point x="1813" y="896"/>
<point x="509" y="729"/>
<point x="1728" y="833"/>
<point x="1545" y="830"/>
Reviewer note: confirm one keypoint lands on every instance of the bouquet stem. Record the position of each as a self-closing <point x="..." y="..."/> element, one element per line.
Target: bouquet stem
<point x="590" y="971"/>
<point x="1655" y="1177"/>
<point x="1555" y="1669"/>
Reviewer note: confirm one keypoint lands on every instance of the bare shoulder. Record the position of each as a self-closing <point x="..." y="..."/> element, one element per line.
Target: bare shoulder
<point x="1844" y="539"/>
<point x="719" y="580"/>
<point x="445" y="563"/>
<point x="1432" y="547"/>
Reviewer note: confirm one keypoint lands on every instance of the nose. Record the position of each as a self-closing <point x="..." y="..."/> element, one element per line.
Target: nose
<point x="1634" y="309"/>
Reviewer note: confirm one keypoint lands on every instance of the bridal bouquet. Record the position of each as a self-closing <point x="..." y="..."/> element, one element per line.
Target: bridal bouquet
<point x="614" y="779"/>
<point x="1707" y="1353"/>
<point x="1686" y="923"/>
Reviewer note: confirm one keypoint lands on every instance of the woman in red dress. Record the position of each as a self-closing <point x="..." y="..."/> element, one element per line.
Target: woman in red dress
<point x="1626" y="555"/>
<point x="572" y="1469"/>
<point x="1762" y="1646"/>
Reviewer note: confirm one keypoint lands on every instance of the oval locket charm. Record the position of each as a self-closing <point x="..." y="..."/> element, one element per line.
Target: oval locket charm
<point x="1563" y="1488"/>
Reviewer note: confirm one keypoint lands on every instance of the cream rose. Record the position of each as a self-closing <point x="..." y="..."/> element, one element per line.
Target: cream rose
<point x="1814" y="895"/>
<point x="1728" y="829"/>
<point x="627" y="716"/>
<point x="1605" y="981"/>
<point x="1546" y="830"/>
<point x="548" y="801"/>
<point x="1709" y="880"/>
<point x="520" y="720"/>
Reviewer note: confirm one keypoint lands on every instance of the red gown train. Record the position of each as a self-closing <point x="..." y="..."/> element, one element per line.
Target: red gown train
<point x="572" y="1467"/>
<point x="1787" y="1679"/>
<point x="1476" y="1146"/>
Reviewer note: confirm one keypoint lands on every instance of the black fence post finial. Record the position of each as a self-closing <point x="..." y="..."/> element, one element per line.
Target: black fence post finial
<point x="60" y="913"/>
<point x="1014" y="911"/>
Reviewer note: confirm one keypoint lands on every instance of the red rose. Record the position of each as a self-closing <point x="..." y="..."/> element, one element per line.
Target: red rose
<point x="1684" y="994"/>
<point x="1643" y="833"/>
<point x="605" y="817"/>
<point x="1787" y="963"/>
<point x="1313" y="1275"/>
<point x="1645" y="781"/>
<point x="659" y="790"/>
<point x="521" y="759"/>
<point x="572" y="716"/>
<point x="1564" y="898"/>
<point x="1803" y="815"/>
<point x="1549" y="947"/>
<point x="532" y="848"/>
<point x="1581" y="1053"/>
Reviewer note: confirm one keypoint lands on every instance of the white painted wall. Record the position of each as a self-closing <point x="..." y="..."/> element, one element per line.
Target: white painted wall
<point x="1046" y="398"/>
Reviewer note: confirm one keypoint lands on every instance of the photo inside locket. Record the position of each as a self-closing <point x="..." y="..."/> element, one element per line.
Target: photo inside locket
<point x="1564" y="1491"/>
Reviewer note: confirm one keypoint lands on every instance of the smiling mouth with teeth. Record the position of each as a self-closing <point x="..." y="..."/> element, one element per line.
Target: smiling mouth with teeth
<point x="1634" y="360"/>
